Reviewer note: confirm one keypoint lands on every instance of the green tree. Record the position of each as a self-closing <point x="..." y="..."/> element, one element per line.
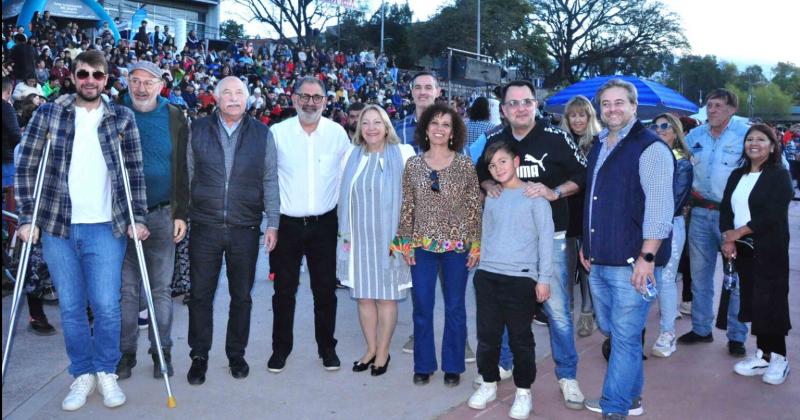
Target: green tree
<point x="231" y="30"/>
<point x="302" y="18"/>
<point x="396" y="28"/>
<point x="751" y="76"/>
<point x="787" y="76"/>
<point x="766" y="101"/>
<point x="694" y="76"/>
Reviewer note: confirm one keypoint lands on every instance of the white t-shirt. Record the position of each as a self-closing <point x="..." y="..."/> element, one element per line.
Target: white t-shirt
<point x="89" y="182"/>
<point x="739" y="198"/>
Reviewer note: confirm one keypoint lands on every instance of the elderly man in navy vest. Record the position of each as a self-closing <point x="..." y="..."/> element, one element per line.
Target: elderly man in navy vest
<point x="627" y="229"/>
<point x="233" y="173"/>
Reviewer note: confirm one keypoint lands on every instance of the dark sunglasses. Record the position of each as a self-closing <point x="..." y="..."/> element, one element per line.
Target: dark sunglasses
<point x="435" y="181"/>
<point x="83" y="74"/>
<point x="662" y="126"/>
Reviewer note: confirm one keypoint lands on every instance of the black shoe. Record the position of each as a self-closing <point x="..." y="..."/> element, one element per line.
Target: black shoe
<point x="422" y="378"/>
<point x="157" y="366"/>
<point x="452" y="379"/>
<point x="197" y="373"/>
<point x="40" y="326"/>
<point x="339" y="285"/>
<point x="736" y="348"/>
<point x="378" y="371"/>
<point x="239" y="368"/>
<point x="539" y="317"/>
<point x="330" y="361"/>
<point x="360" y="367"/>
<point x="276" y="363"/>
<point x="691" y="338"/>
<point x="125" y="364"/>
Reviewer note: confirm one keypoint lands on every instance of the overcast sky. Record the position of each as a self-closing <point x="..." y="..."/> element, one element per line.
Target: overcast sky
<point x="741" y="31"/>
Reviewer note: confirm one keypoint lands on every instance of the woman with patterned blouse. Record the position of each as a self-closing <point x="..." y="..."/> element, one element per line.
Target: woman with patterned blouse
<point x="440" y="230"/>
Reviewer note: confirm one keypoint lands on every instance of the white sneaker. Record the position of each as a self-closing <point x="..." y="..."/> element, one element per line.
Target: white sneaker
<point x="484" y="395"/>
<point x="408" y="347"/>
<point x="81" y="388"/>
<point x="523" y="403"/>
<point x="777" y="371"/>
<point x="108" y="388"/>
<point x="665" y="345"/>
<point x="504" y="374"/>
<point x="753" y="365"/>
<point x="685" y="308"/>
<point x="573" y="397"/>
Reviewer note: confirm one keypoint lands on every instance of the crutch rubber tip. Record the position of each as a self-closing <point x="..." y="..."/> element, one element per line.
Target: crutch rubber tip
<point x="171" y="402"/>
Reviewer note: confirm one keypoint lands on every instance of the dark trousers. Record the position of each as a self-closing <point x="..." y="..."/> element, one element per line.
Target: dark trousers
<point x="505" y="302"/>
<point x="314" y="237"/>
<point x="771" y="343"/>
<point x="207" y="246"/>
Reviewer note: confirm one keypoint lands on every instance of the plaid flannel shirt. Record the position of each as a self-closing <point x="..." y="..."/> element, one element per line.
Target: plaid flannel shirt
<point x="57" y="121"/>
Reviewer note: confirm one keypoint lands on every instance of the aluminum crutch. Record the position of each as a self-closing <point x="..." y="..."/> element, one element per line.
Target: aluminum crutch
<point x="145" y="275"/>
<point x="22" y="268"/>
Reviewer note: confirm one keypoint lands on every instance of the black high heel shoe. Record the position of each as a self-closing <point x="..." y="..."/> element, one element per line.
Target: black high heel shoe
<point x="378" y="371"/>
<point x="360" y="367"/>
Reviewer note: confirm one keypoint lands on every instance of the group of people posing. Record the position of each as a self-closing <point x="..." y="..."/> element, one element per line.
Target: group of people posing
<point x="391" y="209"/>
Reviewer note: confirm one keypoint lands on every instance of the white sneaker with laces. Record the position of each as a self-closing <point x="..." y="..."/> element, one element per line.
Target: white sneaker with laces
<point x="81" y="388"/>
<point x="504" y="374"/>
<point x="523" y="404"/>
<point x="753" y="365"/>
<point x="484" y="395"/>
<point x="665" y="344"/>
<point x="110" y="390"/>
<point x="573" y="397"/>
<point x="777" y="371"/>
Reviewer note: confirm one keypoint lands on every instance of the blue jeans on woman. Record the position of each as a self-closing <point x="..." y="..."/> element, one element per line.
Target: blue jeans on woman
<point x="87" y="267"/>
<point x="667" y="288"/>
<point x="454" y="286"/>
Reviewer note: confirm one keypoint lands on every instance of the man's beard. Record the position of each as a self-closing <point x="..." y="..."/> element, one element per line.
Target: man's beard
<point x="88" y="98"/>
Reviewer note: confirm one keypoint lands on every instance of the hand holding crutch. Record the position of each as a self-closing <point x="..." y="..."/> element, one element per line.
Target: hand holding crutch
<point x="139" y="233"/>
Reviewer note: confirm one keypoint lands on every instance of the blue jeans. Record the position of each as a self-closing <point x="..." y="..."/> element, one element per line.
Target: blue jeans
<point x="667" y="289"/>
<point x="705" y="241"/>
<point x="454" y="286"/>
<point x="87" y="267"/>
<point x="562" y="339"/>
<point x="621" y="313"/>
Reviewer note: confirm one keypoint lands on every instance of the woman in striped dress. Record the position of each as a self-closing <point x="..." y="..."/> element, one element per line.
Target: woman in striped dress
<point x="369" y="213"/>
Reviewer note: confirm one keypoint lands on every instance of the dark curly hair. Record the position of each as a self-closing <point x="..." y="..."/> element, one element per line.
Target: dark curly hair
<point x="437" y="109"/>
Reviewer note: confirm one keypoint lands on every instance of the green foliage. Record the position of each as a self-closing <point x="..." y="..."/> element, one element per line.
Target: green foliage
<point x="766" y="101"/>
<point x="787" y="77"/>
<point x="694" y="76"/>
<point x="231" y="30"/>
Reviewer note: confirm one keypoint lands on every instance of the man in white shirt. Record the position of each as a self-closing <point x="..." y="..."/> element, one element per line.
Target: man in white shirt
<point x="310" y="149"/>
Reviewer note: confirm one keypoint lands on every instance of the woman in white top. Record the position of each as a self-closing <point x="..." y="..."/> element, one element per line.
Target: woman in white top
<point x="755" y="225"/>
<point x="369" y="212"/>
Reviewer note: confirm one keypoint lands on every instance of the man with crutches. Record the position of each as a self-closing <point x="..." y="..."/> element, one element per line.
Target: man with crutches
<point x="84" y="214"/>
<point x="164" y="134"/>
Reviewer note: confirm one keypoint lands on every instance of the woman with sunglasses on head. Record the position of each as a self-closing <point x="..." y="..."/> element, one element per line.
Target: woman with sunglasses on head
<point x="669" y="128"/>
<point x="580" y="120"/>
<point x="440" y="230"/>
<point x="754" y="222"/>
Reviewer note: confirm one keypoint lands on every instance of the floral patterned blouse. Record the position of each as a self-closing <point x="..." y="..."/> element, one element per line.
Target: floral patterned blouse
<point x="439" y="221"/>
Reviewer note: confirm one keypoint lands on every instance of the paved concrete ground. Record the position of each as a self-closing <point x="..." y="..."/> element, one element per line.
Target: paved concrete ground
<point x="697" y="382"/>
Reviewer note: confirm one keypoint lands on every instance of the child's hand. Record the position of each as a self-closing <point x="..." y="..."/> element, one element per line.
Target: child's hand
<point x="542" y="292"/>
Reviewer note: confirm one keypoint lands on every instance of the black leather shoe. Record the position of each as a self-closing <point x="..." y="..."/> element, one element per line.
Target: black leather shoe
<point x="125" y="364"/>
<point x="330" y="361"/>
<point x="452" y="379"/>
<point x="157" y="365"/>
<point x="736" y="348"/>
<point x="239" y="368"/>
<point x="276" y="363"/>
<point x="691" y="338"/>
<point x="422" y="378"/>
<point x="197" y="373"/>
<point x="360" y="367"/>
<point x="40" y="326"/>
<point x="378" y="371"/>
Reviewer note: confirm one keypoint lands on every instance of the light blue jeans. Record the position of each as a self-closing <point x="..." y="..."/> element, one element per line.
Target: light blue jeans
<point x="562" y="339"/>
<point x="667" y="288"/>
<point x="86" y="268"/>
<point x="705" y="240"/>
<point x="621" y="313"/>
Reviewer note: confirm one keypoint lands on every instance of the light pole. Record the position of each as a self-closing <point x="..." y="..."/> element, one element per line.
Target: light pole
<point x="478" y="45"/>
<point x="383" y="15"/>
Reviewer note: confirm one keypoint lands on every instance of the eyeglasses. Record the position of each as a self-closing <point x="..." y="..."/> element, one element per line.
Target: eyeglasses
<point x="662" y="126"/>
<point x="148" y="84"/>
<point x="527" y="103"/>
<point x="84" y="74"/>
<point x="435" y="181"/>
<point x="305" y="98"/>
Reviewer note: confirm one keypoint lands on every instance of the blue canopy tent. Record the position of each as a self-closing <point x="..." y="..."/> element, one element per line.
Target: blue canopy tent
<point x="654" y="98"/>
<point x="68" y="9"/>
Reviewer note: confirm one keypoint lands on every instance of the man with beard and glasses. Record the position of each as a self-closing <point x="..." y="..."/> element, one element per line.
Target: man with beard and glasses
<point x="232" y="165"/>
<point x="84" y="216"/>
<point x="353" y="112"/>
<point x="310" y="150"/>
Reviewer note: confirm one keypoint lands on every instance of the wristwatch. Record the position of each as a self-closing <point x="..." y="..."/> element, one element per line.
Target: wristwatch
<point x="648" y="257"/>
<point x="557" y="192"/>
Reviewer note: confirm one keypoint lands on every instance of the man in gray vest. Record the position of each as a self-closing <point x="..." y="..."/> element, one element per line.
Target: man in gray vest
<point x="233" y="172"/>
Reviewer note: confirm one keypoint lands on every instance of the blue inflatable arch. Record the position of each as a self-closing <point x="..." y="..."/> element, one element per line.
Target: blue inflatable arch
<point x="31" y="6"/>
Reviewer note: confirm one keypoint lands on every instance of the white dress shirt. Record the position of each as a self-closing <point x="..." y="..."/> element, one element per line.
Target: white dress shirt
<point x="308" y="166"/>
<point x="89" y="182"/>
